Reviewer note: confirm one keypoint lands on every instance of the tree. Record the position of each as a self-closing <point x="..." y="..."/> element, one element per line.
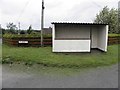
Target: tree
<point x="3" y="31"/>
<point x="109" y="16"/>
<point x="11" y="27"/>
<point x="29" y="31"/>
<point x="22" y="32"/>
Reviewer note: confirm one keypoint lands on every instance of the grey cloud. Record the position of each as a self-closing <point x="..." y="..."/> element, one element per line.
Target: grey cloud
<point x="55" y="10"/>
<point x="9" y="8"/>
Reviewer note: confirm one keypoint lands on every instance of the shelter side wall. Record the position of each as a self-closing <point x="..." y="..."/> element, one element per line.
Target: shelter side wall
<point x="72" y="31"/>
<point x="94" y="40"/>
<point x="53" y="36"/>
<point x="71" y="46"/>
<point x="103" y="38"/>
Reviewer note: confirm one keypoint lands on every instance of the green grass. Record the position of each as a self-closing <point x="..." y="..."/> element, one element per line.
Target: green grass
<point x="113" y="35"/>
<point x="44" y="56"/>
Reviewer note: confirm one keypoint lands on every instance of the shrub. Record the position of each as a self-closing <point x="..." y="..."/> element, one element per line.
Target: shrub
<point x="15" y="36"/>
<point x="22" y="32"/>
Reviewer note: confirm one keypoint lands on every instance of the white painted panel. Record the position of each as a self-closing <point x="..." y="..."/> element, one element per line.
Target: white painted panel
<point x="103" y="38"/>
<point x="22" y="41"/>
<point x="53" y="35"/>
<point x="94" y="37"/>
<point x="106" y="37"/>
<point x="71" y="46"/>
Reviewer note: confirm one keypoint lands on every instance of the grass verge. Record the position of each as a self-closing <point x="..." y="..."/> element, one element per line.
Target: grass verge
<point x="113" y="35"/>
<point x="44" y="56"/>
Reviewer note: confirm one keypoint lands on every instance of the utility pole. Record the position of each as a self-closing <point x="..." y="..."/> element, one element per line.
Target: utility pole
<point x="42" y="22"/>
<point x="19" y="28"/>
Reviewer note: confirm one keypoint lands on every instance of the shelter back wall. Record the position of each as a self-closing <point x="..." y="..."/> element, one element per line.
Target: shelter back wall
<point x="72" y="31"/>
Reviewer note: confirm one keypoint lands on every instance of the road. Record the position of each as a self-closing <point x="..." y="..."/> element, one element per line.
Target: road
<point x="101" y="77"/>
<point x="19" y="77"/>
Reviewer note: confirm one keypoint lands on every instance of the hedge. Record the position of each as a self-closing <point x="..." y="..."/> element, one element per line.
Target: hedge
<point x="16" y="36"/>
<point x="34" y="39"/>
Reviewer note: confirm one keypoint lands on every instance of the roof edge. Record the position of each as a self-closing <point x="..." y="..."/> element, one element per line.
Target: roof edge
<point x="79" y="23"/>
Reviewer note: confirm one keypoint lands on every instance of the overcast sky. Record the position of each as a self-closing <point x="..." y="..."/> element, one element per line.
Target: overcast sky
<point x="28" y="12"/>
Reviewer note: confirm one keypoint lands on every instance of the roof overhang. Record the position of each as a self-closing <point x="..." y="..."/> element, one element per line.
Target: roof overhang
<point x="79" y="23"/>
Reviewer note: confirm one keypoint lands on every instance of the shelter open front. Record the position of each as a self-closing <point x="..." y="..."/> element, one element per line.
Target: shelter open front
<point x="99" y="37"/>
<point x="79" y="37"/>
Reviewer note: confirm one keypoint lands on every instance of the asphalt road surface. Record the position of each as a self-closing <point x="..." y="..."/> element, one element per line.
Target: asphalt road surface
<point x="101" y="77"/>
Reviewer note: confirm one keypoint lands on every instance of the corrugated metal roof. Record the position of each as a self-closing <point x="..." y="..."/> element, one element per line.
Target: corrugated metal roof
<point x="79" y="23"/>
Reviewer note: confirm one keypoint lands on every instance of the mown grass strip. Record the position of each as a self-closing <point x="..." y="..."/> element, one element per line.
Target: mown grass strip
<point x="45" y="57"/>
<point x="114" y="35"/>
